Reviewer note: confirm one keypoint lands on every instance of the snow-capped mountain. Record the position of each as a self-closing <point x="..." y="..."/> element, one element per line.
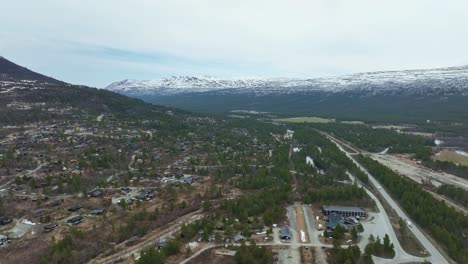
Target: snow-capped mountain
<point x="442" y="79"/>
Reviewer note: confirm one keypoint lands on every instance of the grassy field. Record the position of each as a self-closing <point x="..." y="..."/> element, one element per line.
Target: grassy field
<point x="448" y="155"/>
<point x="303" y="120"/>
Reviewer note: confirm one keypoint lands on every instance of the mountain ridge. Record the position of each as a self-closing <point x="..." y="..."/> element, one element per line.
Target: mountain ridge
<point x="380" y="80"/>
<point x="12" y="71"/>
<point x="27" y="96"/>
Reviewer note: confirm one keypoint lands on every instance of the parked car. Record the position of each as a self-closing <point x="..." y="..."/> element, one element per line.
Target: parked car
<point x="5" y="220"/>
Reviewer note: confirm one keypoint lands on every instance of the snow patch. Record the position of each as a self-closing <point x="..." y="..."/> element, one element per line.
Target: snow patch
<point x="27" y="222"/>
<point x="463" y="153"/>
<point x="310" y="161"/>
<point x="384" y="152"/>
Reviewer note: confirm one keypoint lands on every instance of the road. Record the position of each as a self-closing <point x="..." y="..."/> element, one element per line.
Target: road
<point x="196" y="254"/>
<point x="292" y="254"/>
<point x="435" y="255"/>
<point x="21" y="174"/>
<point x="149" y="241"/>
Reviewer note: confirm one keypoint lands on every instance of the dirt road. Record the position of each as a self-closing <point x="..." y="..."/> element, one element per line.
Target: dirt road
<point x="419" y="173"/>
<point x="149" y="240"/>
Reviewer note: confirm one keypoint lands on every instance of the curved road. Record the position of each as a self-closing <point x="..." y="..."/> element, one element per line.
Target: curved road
<point x="436" y="256"/>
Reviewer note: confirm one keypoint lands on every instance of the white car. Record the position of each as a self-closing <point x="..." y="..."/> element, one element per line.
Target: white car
<point x="409" y="223"/>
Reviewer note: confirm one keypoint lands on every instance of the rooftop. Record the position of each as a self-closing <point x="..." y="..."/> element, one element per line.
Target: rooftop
<point x="343" y="208"/>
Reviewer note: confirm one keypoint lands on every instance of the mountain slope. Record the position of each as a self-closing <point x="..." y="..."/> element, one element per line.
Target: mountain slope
<point x="413" y="95"/>
<point x="12" y="71"/>
<point x="25" y="99"/>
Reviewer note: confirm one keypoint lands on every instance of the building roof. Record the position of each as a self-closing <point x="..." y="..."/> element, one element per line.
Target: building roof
<point x="343" y="208"/>
<point x="335" y="219"/>
<point x="75" y="219"/>
<point x="238" y="237"/>
<point x="285" y="231"/>
<point x="97" y="211"/>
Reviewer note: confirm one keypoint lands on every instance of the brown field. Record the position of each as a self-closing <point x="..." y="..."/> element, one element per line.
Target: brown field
<point x="209" y="256"/>
<point x="452" y="156"/>
<point x="307" y="255"/>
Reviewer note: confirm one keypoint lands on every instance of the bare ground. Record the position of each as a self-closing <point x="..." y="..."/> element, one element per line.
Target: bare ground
<point x="300" y="222"/>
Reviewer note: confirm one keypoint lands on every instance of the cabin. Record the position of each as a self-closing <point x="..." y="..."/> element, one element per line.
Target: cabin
<point x="5" y="220"/>
<point x="74" y="208"/>
<point x="98" y="211"/>
<point x="3" y="240"/>
<point x="75" y="220"/>
<point x="286" y="233"/>
<point x="238" y="238"/>
<point x="50" y="227"/>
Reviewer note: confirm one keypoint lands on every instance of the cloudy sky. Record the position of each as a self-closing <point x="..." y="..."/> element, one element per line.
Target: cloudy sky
<point x="96" y="42"/>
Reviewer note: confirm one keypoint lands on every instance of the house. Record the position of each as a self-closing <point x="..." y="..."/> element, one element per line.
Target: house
<point x="5" y="220"/>
<point x="333" y="220"/>
<point x="3" y="240"/>
<point x="147" y="190"/>
<point x="74" y="208"/>
<point x="98" y="211"/>
<point x="125" y="189"/>
<point x="75" y="220"/>
<point x="163" y="243"/>
<point x="96" y="193"/>
<point x="344" y="210"/>
<point x="286" y="233"/>
<point x="141" y="196"/>
<point x="55" y="203"/>
<point x="50" y="227"/>
<point x="238" y="238"/>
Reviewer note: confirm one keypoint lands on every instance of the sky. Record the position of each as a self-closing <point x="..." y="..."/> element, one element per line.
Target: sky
<point x="97" y="42"/>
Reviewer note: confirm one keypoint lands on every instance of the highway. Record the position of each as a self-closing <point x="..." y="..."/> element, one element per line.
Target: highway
<point x="435" y="255"/>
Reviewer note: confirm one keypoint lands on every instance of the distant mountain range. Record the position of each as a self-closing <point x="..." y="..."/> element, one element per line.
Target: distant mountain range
<point x="392" y="95"/>
<point x="453" y="78"/>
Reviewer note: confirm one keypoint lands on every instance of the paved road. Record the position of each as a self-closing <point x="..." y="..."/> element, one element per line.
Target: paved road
<point x="436" y="256"/>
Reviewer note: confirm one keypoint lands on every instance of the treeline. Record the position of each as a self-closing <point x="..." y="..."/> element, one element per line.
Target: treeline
<point x="269" y="204"/>
<point x="349" y="255"/>
<point x="70" y="248"/>
<point x="267" y="191"/>
<point x="446" y="166"/>
<point x="444" y="223"/>
<point x="378" y="248"/>
<point x="325" y="154"/>
<point x="253" y="254"/>
<point x="152" y="256"/>
<point x="376" y="140"/>
<point x="457" y="194"/>
<point x="346" y="195"/>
